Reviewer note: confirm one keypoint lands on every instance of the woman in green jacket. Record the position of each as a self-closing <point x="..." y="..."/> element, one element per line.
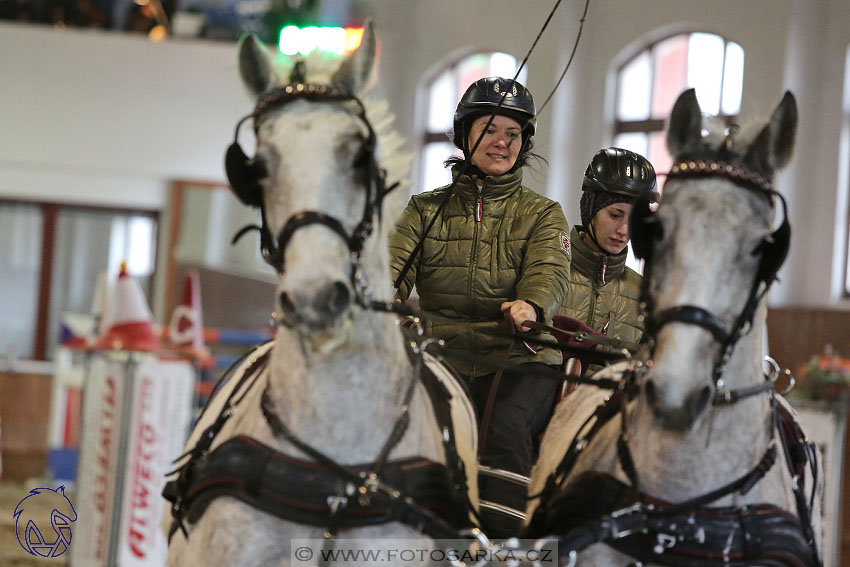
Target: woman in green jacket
<point x="604" y="293"/>
<point x="497" y="251"/>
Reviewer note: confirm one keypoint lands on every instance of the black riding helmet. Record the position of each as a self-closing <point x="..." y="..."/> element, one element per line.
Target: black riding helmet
<point x="614" y="175"/>
<point x="619" y="171"/>
<point x="483" y="98"/>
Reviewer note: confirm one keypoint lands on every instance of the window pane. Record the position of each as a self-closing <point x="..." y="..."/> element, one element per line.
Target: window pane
<point x="633" y="89"/>
<point x="671" y="70"/>
<point x="635" y="141"/>
<point x="504" y="65"/>
<point x="433" y="173"/>
<point x="441" y="103"/>
<point x="733" y="79"/>
<point x="705" y="69"/>
<point x="91" y="242"/>
<point x="658" y="154"/>
<point x="20" y="256"/>
<point x="470" y="70"/>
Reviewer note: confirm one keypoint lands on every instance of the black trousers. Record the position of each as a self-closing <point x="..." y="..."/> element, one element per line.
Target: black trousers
<point x="521" y="411"/>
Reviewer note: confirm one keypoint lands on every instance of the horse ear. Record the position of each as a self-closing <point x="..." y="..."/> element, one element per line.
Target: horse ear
<point x="685" y="123"/>
<point x="254" y="65"/>
<point x="358" y="71"/>
<point x="773" y="146"/>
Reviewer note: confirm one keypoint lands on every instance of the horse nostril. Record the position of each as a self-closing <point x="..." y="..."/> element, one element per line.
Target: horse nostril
<point x="338" y="298"/>
<point x="698" y="401"/>
<point x="651" y="395"/>
<point x="286" y="304"/>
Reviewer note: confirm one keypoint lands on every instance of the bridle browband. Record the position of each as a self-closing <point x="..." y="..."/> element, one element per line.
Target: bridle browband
<point x="274" y="249"/>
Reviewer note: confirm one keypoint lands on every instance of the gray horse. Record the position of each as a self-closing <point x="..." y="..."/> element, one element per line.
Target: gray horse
<point x="698" y="429"/>
<point x="337" y="376"/>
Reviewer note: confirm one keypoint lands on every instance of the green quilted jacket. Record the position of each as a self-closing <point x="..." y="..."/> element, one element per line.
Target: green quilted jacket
<point x="502" y="244"/>
<point x="603" y="293"/>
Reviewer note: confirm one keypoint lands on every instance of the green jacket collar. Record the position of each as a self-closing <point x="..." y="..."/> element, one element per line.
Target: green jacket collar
<point x="495" y="187"/>
<point x="597" y="267"/>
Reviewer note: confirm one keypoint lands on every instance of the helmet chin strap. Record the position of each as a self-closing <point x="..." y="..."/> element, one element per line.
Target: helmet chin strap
<point x="591" y="232"/>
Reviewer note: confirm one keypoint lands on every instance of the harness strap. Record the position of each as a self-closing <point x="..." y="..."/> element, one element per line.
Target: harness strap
<point x="441" y="400"/>
<point x="487" y="415"/>
<point x="599" y="508"/>
<point x="604" y="413"/>
<point x="798" y="452"/>
<point x="307" y="492"/>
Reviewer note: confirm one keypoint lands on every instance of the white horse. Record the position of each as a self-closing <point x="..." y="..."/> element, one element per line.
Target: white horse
<point x="699" y="429"/>
<point x="336" y="386"/>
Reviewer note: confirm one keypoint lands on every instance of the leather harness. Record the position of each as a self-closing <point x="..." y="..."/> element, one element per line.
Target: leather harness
<point x="428" y="496"/>
<point x="596" y="507"/>
<point x="735" y="536"/>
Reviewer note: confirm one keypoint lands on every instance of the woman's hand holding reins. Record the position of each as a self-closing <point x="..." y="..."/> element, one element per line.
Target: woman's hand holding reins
<point x="519" y="311"/>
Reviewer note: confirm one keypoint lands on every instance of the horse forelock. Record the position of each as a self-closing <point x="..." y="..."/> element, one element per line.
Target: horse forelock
<point x="725" y="141"/>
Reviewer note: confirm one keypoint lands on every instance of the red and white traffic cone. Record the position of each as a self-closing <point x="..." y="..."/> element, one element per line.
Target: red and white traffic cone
<point x="129" y="321"/>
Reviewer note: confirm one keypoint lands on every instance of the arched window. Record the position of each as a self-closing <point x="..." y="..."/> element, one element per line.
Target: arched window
<point x="440" y="100"/>
<point x="649" y="83"/>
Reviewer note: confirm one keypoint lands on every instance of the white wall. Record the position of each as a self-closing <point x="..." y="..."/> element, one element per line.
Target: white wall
<point x="110" y="118"/>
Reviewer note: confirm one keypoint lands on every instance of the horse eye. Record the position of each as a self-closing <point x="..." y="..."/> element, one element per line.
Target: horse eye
<point x="361" y="158"/>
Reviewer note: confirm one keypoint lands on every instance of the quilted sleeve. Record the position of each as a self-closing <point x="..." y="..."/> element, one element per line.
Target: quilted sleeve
<point x="546" y="263"/>
<point x="403" y="239"/>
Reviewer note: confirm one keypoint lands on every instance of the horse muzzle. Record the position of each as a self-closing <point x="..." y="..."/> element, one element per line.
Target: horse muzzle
<point x="679" y="414"/>
<point x="315" y="311"/>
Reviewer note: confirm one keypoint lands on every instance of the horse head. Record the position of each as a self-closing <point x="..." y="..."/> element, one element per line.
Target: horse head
<point x="316" y="178"/>
<point x="711" y="254"/>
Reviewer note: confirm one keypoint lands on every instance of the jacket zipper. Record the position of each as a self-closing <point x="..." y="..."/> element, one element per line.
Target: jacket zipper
<point x="595" y="292"/>
<point x="474" y="260"/>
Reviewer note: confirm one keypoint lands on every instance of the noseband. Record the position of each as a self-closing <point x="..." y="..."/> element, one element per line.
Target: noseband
<point x="772" y="250"/>
<point x="274" y="249"/>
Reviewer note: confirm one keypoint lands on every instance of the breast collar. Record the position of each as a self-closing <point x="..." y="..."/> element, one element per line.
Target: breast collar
<point x="596" y="507"/>
<point x="733" y="536"/>
<point x="428" y="496"/>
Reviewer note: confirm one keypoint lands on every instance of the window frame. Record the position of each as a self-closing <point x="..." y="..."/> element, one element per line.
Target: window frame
<point x="653" y="125"/>
<point x="845" y="284"/>
<point x="50" y="211"/>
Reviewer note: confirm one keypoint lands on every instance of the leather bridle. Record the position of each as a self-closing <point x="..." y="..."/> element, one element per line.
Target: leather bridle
<point x="772" y="250"/>
<point x="274" y="248"/>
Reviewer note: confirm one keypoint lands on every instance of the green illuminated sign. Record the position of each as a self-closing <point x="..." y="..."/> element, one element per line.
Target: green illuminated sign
<point x="328" y="39"/>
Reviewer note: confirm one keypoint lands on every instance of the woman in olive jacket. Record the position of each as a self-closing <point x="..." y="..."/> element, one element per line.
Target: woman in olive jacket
<point x="604" y="293"/>
<point x="497" y="251"/>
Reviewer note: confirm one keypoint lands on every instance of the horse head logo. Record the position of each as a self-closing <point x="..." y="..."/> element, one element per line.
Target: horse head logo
<point x="62" y="515"/>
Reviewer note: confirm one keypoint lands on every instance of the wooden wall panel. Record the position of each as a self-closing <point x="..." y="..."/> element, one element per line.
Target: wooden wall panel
<point x="795" y="334"/>
<point x="24" y="416"/>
